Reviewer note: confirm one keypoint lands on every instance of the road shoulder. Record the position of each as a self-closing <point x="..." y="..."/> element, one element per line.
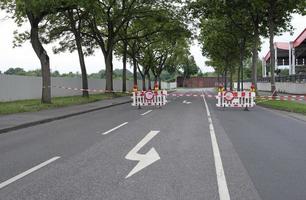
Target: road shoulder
<point x="239" y="182"/>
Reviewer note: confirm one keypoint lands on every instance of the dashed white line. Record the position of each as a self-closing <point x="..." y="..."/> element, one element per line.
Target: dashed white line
<point x="221" y="179"/>
<point x="146" y="112"/>
<point x="23" y="174"/>
<point x="113" y="129"/>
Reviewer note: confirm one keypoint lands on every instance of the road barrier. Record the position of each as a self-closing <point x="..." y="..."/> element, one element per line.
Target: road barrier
<point x="149" y="98"/>
<point x="236" y="99"/>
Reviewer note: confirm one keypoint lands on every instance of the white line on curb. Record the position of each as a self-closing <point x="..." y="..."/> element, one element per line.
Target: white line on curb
<point x="221" y="179"/>
<point x="23" y="174"/>
<point x="113" y="129"/>
<point x="146" y="112"/>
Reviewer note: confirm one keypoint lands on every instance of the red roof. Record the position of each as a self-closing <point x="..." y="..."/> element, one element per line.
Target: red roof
<point x="267" y="56"/>
<point x="279" y="45"/>
<point x="285" y="45"/>
<point x="282" y="45"/>
<point x="300" y="39"/>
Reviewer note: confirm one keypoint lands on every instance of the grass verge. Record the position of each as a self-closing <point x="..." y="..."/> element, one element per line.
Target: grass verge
<point x="290" y="106"/>
<point x="34" y="105"/>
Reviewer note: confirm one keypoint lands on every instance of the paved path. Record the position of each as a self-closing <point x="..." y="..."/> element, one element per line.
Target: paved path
<point x="168" y="153"/>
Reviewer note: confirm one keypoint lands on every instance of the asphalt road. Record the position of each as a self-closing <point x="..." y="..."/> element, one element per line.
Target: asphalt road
<point x="167" y="153"/>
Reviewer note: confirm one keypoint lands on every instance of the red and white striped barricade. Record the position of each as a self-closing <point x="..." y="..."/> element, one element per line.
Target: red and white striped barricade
<point x="149" y="98"/>
<point x="236" y="99"/>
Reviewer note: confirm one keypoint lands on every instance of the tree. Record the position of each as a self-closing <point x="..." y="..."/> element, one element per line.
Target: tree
<point x="15" y="71"/>
<point x="105" y="22"/>
<point x="278" y="15"/>
<point x="68" y="25"/>
<point x="189" y="67"/>
<point x="235" y="18"/>
<point x="221" y="44"/>
<point x="35" y="12"/>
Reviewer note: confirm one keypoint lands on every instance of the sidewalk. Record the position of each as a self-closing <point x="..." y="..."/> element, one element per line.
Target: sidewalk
<point x="23" y="120"/>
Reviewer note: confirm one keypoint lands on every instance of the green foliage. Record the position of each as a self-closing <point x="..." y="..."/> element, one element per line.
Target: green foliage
<point x="290" y="106"/>
<point x="35" y="104"/>
<point x="15" y="71"/>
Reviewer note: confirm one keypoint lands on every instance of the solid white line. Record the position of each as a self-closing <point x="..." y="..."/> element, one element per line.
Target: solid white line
<point x="222" y="184"/>
<point x="19" y="176"/>
<point x="113" y="129"/>
<point x="146" y="112"/>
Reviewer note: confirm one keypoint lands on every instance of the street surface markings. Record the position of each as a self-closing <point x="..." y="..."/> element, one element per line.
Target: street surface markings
<point x="144" y="160"/>
<point x="186" y="102"/>
<point x="146" y="112"/>
<point x="23" y="174"/>
<point x="221" y="179"/>
<point x="113" y="129"/>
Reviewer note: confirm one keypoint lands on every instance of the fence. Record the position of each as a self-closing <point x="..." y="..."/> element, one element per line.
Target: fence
<point x="285" y="87"/>
<point x="25" y="87"/>
<point x="297" y="78"/>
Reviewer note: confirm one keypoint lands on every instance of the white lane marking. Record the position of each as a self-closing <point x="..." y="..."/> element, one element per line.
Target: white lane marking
<point x="144" y="159"/>
<point x="113" y="129"/>
<point x="221" y="179"/>
<point x="146" y="112"/>
<point x="186" y="102"/>
<point x="23" y="174"/>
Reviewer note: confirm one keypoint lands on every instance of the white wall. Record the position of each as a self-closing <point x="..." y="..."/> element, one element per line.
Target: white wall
<point x="25" y="87"/>
<point x="285" y="87"/>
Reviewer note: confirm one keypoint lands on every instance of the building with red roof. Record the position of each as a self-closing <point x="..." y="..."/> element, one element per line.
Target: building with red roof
<point x="292" y="54"/>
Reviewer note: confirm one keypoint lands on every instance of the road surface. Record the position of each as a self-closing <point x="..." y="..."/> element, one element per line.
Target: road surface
<point x="183" y="151"/>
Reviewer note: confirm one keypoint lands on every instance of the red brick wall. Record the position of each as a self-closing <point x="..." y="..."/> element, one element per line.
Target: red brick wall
<point x="198" y="82"/>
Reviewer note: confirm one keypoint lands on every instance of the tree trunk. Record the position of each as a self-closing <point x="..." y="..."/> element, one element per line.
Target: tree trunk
<point x="255" y="57"/>
<point x="149" y="81"/>
<point x="156" y="80"/>
<point x="159" y="83"/>
<point x="240" y="69"/>
<point x="82" y="64"/>
<point x="135" y="71"/>
<point x="231" y="80"/>
<point x="109" y="71"/>
<point x="238" y="78"/>
<point x="144" y="82"/>
<point x="78" y="41"/>
<point x="43" y="57"/>
<point x="225" y="76"/>
<point x="272" y="53"/>
<point x="125" y="45"/>
<point x="218" y="77"/>
<point x="184" y="80"/>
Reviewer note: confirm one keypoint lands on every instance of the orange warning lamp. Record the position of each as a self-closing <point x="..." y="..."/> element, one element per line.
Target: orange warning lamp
<point x="252" y="88"/>
<point x="135" y="88"/>
<point x="156" y="87"/>
<point x="221" y="88"/>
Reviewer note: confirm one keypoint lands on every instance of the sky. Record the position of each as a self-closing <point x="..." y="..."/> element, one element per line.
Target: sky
<point x="25" y="57"/>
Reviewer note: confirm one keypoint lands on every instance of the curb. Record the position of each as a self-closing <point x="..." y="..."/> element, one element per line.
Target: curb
<point x="34" y="123"/>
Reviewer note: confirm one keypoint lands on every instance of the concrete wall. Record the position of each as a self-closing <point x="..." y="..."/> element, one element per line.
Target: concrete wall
<point x="24" y="87"/>
<point x="285" y="87"/>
